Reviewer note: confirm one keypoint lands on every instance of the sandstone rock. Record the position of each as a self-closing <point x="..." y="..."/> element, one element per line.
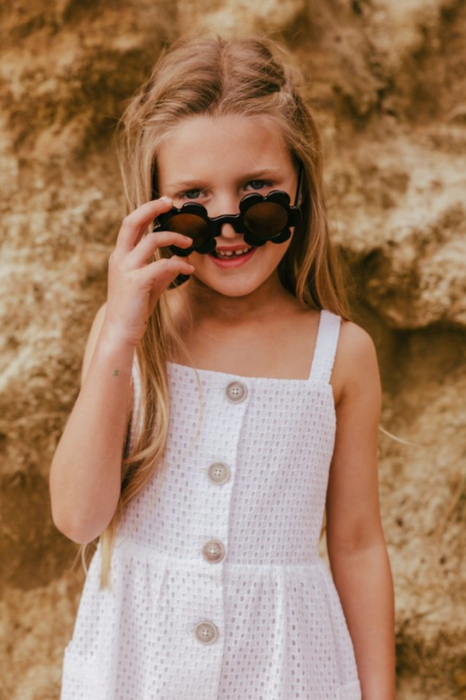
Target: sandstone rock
<point x="227" y="16"/>
<point x="387" y="80"/>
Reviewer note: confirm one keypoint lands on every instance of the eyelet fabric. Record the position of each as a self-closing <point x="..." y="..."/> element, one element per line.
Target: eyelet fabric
<point x="218" y="590"/>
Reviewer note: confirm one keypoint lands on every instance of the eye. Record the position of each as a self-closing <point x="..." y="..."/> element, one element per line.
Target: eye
<point x="188" y="194"/>
<point x="259" y="184"/>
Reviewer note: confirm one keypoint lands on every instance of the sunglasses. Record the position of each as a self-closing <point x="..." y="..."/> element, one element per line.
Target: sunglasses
<point x="260" y="219"/>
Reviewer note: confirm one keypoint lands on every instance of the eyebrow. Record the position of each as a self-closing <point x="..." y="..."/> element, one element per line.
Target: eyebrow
<point x="191" y="182"/>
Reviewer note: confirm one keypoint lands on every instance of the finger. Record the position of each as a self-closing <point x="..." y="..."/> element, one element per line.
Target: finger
<point x="160" y="273"/>
<point x="154" y="240"/>
<point x="158" y="289"/>
<point x="136" y="223"/>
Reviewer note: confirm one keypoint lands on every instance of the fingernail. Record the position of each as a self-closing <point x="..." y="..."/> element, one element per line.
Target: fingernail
<point x="167" y="200"/>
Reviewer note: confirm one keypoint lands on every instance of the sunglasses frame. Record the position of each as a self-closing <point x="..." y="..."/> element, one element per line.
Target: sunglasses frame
<point x="294" y="217"/>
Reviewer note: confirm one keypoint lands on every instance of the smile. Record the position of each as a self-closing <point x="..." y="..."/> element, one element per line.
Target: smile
<point x="232" y="260"/>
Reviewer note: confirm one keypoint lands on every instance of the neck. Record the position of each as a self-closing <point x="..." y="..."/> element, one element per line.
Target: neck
<point x="207" y="304"/>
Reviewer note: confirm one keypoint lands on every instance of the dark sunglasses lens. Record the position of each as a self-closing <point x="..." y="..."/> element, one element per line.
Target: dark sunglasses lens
<point x="189" y="225"/>
<point x="266" y="219"/>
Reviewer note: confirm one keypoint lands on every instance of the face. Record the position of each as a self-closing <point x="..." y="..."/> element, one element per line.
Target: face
<point x="216" y="162"/>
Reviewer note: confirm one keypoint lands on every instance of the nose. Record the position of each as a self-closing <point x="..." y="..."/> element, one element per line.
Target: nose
<point x="226" y="205"/>
<point x="228" y="231"/>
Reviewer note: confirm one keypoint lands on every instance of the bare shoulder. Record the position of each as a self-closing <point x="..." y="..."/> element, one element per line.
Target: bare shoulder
<point x="356" y="364"/>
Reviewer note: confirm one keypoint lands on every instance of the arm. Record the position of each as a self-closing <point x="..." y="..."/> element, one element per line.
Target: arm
<point x="355" y="540"/>
<point x="85" y="476"/>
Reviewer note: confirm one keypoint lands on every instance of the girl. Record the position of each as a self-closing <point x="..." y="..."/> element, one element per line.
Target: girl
<point x="252" y="402"/>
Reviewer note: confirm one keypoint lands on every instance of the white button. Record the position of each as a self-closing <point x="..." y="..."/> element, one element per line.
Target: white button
<point x="206" y="632"/>
<point x="236" y="391"/>
<point x="218" y="473"/>
<point x="213" y="551"/>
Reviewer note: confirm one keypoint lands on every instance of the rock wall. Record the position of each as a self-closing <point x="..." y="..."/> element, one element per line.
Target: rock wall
<point x="388" y="80"/>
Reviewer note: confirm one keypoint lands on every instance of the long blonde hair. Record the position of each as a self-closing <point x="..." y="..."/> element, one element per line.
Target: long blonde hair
<point x="216" y="77"/>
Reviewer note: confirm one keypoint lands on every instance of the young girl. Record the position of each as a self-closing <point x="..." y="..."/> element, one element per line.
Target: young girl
<point x="227" y="399"/>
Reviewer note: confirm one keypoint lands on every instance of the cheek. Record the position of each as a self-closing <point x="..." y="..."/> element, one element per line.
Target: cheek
<point x="195" y="258"/>
<point x="279" y="249"/>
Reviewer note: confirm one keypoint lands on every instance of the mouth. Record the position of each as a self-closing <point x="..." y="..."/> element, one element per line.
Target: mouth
<point x="235" y="260"/>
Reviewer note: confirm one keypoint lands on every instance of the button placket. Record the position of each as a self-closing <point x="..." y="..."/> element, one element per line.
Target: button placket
<point x="213" y="550"/>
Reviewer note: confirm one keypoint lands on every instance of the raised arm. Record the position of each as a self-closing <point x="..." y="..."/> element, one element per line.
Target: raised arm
<point x="85" y="476"/>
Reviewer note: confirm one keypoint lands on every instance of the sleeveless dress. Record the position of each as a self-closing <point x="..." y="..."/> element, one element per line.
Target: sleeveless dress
<point x="218" y="590"/>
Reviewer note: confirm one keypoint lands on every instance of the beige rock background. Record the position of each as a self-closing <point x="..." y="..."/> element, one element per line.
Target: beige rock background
<point x="389" y="82"/>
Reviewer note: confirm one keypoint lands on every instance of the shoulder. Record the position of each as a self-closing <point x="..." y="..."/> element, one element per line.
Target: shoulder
<point x="355" y="342"/>
<point x="356" y="365"/>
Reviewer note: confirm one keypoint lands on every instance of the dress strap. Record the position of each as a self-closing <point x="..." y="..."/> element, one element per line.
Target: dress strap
<point x="326" y="347"/>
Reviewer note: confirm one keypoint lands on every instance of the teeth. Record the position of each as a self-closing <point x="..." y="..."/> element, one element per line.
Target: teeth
<point x="230" y="254"/>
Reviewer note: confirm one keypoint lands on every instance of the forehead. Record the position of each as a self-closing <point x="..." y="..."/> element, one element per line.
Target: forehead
<point x="203" y="146"/>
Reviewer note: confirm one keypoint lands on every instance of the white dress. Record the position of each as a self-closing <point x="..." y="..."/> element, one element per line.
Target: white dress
<point x="218" y="590"/>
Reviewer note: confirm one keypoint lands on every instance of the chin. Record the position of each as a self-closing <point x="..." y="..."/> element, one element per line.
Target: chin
<point x="231" y="288"/>
<point x="229" y="285"/>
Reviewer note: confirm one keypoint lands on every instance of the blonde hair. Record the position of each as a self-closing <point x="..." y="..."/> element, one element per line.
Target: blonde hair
<point x="216" y="77"/>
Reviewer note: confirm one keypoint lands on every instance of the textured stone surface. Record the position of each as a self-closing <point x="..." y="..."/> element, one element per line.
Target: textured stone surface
<point x="388" y="80"/>
<point x="226" y="16"/>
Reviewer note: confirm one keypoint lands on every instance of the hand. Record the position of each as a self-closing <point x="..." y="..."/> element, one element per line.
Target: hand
<point x="133" y="284"/>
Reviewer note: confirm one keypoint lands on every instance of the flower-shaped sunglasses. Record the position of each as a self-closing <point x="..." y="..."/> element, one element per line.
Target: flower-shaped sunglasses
<point x="260" y="219"/>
